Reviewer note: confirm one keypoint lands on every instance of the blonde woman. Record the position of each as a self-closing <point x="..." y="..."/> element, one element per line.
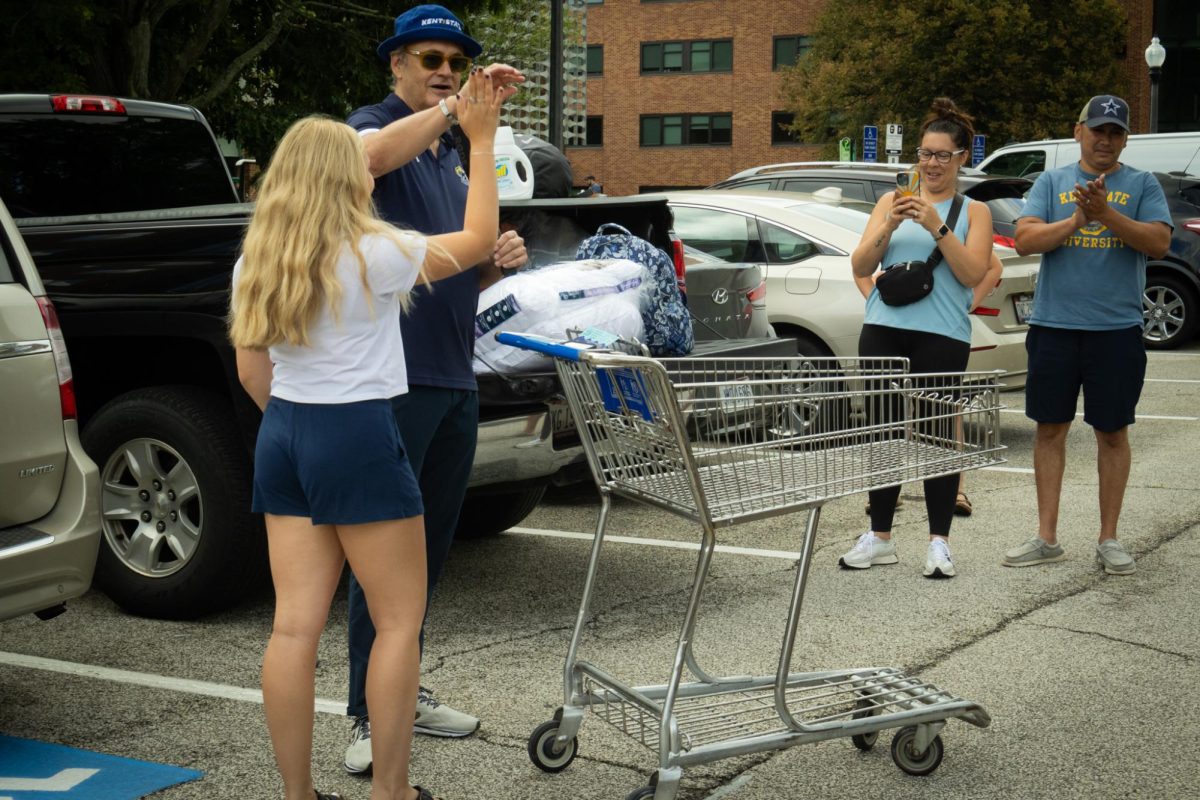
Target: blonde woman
<point x="314" y="316"/>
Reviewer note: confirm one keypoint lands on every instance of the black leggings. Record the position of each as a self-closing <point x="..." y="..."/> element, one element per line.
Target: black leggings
<point x="926" y="352"/>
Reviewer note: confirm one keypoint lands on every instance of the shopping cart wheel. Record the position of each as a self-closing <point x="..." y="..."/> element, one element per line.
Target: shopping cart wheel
<point x="908" y="759"/>
<point x="545" y="754"/>
<point x="641" y="793"/>
<point x="864" y="741"/>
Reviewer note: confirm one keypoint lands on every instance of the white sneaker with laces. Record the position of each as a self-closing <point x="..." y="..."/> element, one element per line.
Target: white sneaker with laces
<point x="937" y="560"/>
<point x="869" y="551"/>
<point x="358" y="753"/>
<point x="436" y="719"/>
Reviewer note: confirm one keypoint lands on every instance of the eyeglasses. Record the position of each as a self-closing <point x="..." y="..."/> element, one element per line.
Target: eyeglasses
<point x="432" y="60"/>
<point x="942" y="156"/>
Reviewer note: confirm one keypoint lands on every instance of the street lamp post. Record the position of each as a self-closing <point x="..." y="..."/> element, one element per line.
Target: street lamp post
<point x="1156" y="54"/>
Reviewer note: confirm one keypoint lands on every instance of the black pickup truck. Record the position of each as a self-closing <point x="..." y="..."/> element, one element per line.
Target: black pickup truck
<point x="132" y="218"/>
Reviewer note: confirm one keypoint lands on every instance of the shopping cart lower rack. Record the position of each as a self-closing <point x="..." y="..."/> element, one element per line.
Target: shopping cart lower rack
<point x="725" y="441"/>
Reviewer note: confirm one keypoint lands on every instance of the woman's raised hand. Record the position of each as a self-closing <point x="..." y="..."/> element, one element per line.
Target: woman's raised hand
<point x="479" y="107"/>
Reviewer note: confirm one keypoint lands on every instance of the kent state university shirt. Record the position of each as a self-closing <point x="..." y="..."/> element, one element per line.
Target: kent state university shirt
<point x="429" y="194"/>
<point x="1093" y="280"/>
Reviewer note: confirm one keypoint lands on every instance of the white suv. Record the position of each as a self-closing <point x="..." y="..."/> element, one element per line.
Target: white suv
<point x="49" y="489"/>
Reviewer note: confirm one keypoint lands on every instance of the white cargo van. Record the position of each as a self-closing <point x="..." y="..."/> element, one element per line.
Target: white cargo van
<point x="1153" y="152"/>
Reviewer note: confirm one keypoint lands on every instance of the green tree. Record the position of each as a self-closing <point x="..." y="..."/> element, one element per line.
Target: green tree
<point x="1022" y="68"/>
<point x="251" y="66"/>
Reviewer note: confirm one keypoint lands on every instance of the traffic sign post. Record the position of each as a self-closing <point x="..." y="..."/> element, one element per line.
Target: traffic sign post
<point x="870" y="143"/>
<point x="978" y="146"/>
<point x="894" y="143"/>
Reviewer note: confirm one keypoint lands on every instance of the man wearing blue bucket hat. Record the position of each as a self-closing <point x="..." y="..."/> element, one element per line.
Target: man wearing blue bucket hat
<point x="420" y="183"/>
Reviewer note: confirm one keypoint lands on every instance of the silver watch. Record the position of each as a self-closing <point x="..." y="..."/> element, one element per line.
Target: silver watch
<point x="941" y="232"/>
<point x="450" y="116"/>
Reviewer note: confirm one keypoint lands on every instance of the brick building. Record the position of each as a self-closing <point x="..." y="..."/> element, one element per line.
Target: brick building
<point x="682" y="93"/>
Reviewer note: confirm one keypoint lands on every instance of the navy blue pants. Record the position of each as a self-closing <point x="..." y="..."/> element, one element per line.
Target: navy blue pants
<point x="439" y="428"/>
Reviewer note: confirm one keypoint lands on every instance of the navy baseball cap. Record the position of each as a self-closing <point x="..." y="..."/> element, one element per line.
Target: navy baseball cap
<point x="1103" y="109"/>
<point x="428" y="23"/>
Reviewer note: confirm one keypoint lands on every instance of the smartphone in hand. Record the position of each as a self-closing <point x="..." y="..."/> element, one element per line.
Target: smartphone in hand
<point x="908" y="182"/>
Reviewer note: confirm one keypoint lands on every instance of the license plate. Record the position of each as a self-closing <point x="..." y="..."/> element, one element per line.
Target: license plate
<point x="1023" y="304"/>
<point x="737" y="397"/>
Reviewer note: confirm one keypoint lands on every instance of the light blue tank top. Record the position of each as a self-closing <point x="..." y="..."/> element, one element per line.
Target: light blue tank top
<point x="942" y="311"/>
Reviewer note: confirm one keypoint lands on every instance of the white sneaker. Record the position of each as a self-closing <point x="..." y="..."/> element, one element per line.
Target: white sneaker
<point x="435" y="719"/>
<point x="358" y="754"/>
<point x="937" y="560"/>
<point x="868" y="551"/>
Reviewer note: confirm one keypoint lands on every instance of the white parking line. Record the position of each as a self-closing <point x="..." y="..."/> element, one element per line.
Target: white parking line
<point x="1170" y="380"/>
<point x="183" y="685"/>
<point x="1021" y="470"/>
<point x="1139" y="416"/>
<point x="721" y="548"/>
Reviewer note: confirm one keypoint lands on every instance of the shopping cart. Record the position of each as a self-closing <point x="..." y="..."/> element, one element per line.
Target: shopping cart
<point x="721" y="442"/>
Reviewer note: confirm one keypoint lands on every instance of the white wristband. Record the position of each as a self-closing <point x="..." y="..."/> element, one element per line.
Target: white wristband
<point x="450" y="117"/>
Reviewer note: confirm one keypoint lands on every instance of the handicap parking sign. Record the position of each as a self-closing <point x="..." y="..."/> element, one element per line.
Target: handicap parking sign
<point x="32" y="770"/>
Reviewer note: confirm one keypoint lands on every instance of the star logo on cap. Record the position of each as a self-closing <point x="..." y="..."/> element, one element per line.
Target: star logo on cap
<point x="1110" y="106"/>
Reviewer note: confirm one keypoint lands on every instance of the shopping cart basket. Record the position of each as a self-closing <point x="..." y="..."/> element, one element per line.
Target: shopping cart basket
<point x="721" y="442"/>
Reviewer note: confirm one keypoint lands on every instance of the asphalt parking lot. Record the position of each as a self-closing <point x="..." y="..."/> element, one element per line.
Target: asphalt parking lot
<point x="1089" y="679"/>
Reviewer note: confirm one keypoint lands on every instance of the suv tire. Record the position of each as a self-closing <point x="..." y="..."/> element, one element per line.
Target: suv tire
<point x="178" y="537"/>
<point x="1170" y="312"/>
<point x="487" y="513"/>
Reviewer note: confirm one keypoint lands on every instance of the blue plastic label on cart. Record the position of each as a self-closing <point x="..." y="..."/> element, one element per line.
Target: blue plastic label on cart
<point x="623" y="390"/>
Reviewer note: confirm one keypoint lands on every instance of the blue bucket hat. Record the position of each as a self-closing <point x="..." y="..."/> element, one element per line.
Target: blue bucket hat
<point x="428" y="23"/>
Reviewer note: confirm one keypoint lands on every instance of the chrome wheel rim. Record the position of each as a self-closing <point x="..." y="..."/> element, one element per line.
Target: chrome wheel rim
<point x="1163" y="313"/>
<point x="152" y="507"/>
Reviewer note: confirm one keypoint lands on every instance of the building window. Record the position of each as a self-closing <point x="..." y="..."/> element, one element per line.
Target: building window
<point x="595" y="59"/>
<point x="780" y="122"/>
<point x="706" y="55"/>
<point x="595" y="132"/>
<point x="789" y="50"/>
<point x="669" y="130"/>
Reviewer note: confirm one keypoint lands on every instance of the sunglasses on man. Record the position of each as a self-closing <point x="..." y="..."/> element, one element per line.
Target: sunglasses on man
<point x="432" y="60"/>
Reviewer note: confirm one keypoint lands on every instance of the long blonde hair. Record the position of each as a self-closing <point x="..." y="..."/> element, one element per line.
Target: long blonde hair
<point x="314" y="200"/>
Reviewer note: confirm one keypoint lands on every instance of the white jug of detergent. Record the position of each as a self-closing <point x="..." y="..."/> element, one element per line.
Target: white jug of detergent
<point x="514" y="173"/>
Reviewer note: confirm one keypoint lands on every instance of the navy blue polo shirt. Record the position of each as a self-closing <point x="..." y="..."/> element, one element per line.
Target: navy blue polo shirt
<point x="429" y="194"/>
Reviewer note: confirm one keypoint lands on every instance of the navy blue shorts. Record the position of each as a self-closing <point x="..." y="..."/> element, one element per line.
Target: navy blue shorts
<point x="340" y="464"/>
<point x="1110" y="367"/>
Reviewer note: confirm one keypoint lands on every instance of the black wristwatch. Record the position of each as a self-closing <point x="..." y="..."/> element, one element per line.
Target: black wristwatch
<point x="941" y="232"/>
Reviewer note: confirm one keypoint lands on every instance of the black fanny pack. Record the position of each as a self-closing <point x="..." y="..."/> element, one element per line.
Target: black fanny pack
<point x="909" y="281"/>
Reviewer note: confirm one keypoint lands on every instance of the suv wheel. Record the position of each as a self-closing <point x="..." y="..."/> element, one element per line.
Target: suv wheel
<point x="1169" y="312"/>
<point x="485" y="514"/>
<point x="179" y="540"/>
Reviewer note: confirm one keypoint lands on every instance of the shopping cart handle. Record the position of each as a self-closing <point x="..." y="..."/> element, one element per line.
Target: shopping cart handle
<point x="540" y="344"/>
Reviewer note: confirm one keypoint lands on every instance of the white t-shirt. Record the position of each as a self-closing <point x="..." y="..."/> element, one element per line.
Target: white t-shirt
<point x="361" y="356"/>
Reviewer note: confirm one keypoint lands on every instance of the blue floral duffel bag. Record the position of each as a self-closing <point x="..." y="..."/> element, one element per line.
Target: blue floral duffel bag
<point x="668" y="326"/>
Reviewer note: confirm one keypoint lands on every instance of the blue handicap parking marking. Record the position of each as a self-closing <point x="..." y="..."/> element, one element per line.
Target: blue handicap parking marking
<point x="32" y="770"/>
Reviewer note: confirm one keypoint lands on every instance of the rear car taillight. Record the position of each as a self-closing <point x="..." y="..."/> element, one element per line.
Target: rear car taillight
<point x="87" y="103"/>
<point x="984" y="311"/>
<point x="1004" y="241"/>
<point x="757" y="293"/>
<point x="680" y="264"/>
<point x="1192" y="225"/>
<point x="58" y="345"/>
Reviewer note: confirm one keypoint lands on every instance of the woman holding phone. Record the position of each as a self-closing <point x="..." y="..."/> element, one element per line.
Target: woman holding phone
<point x="933" y="332"/>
